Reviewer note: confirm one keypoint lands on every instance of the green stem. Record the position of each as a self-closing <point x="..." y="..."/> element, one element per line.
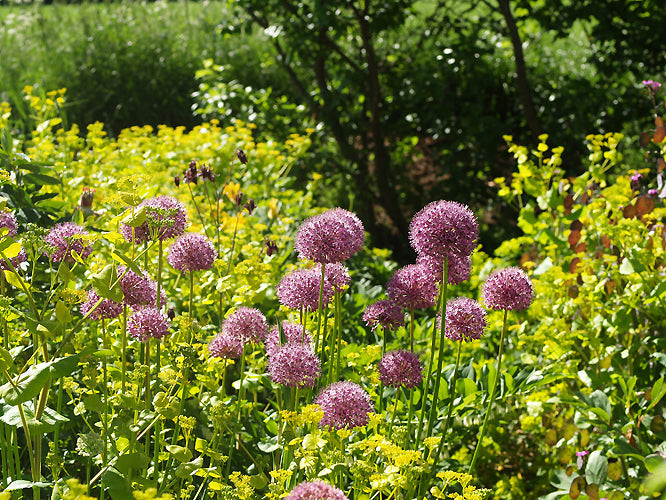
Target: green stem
<point x="440" y="355"/>
<point x="411" y="330"/>
<point x="191" y="293"/>
<point x="320" y="306"/>
<point x="238" y="414"/>
<point x="395" y="410"/>
<point x="338" y="330"/>
<point x="452" y="394"/>
<point x="492" y="395"/>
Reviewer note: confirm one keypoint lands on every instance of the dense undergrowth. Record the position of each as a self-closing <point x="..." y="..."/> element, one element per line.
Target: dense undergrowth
<point x="577" y="410"/>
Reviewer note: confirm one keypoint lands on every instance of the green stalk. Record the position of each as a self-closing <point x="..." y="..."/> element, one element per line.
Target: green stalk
<point x="123" y="349"/>
<point x="338" y="330"/>
<point x="411" y="330"/>
<point x="196" y="206"/>
<point x="410" y="414"/>
<point x="395" y="410"/>
<point x="440" y="355"/>
<point x="238" y="415"/>
<point x="191" y="307"/>
<point x="492" y="395"/>
<point x="320" y="306"/>
<point x="4" y="446"/>
<point x="452" y="394"/>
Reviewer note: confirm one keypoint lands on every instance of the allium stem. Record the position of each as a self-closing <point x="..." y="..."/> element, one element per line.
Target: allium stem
<point x="191" y="293"/>
<point x="320" y="305"/>
<point x="440" y="355"/>
<point x="123" y="349"/>
<point x="238" y="414"/>
<point x="338" y="333"/>
<point x="393" y="414"/>
<point x="411" y="330"/>
<point x="492" y="395"/>
<point x="452" y="394"/>
<point x="196" y="206"/>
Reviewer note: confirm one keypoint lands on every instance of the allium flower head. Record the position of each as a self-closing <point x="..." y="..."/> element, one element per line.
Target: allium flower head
<point x="465" y="319"/>
<point x="165" y="219"/>
<point x="191" y="252"/>
<point x="292" y="333"/>
<point x="384" y="313"/>
<point x="226" y="345"/>
<point x="444" y="229"/>
<point x="332" y="236"/>
<point x="337" y="276"/>
<point x="316" y="490"/>
<point x="400" y="368"/>
<point x="412" y="287"/>
<point x="138" y="289"/>
<point x="65" y="237"/>
<point x="147" y="323"/>
<point x="8" y="220"/>
<point x="295" y="365"/>
<point x="508" y="288"/>
<point x="108" y="309"/>
<point x="345" y="405"/>
<point x="247" y="323"/>
<point x="459" y="268"/>
<point x="300" y="288"/>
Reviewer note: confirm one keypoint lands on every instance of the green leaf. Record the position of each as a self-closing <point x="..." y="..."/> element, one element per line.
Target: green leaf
<point x="130" y="199"/>
<point x="184" y="471"/>
<point x="135" y="219"/>
<point x="180" y="453"/>
<point x="49" y="422"/>
<point x="626" y="267"/>
<point x="62" y="312"/>
<point x="119" y="488"/>
<point x="21" y="484"/>
<point x="105" y="284"/>
<point x="34" y="378"/>
<point x="623" y="448"/>
<point x="601" y="401"/>
<point x="132" y="461"/>
<point x="653" y="461"/>
<point x="6" y="360"/>
<point x="596" y="468"/>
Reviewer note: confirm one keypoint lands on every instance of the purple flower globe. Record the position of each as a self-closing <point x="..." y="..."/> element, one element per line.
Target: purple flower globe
<point x="64" y="238"/>
<point x="384" y="313"/>
<point x="443" y="229"/>
<point x="400" y="368"/>
<point x="226" y="346"/>
<point x="509" y="289"/>
<point x="465" y="319"/>
<point x="294" y="365"/>
<point x="247" y="323"/>
<point x="316" y="490"/>
<point x="191" y="252"/>
<point x="459" y="268"/>
<point x="300" y="289"/>
<point x="147" y="323"/>
<point x="292" y="333"/>
<point x="336" y="276"/>
<point x="412" y="287"/>
<point x="138" y="289"/>
<point x="165" y="219"/>
<point x="108" y="309"/>
<point x="345" y="405"/>
<point x="332" y="236"/>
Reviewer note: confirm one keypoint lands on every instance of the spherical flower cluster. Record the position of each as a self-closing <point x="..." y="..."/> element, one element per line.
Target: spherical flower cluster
<point x="316" y="490"/>
<point x="226" y="345"/>
<point x="508" y="288"/>
<point x="138" y="289"/>
<point x="8" y="220"/>
<point x="191" y="252"/>
<point x="165" y="219"/>
<point x="295" y="365"/>
<point x="465" y="319"/>
<point x="291" y="332"/>
<point x="147" y="323"/>
<point x="107" y="309"/>
<point x="64" y="238"/>
<point x="444" y="229"/>
<point x="337" y="276"/>
<point x="246" y="323"/>
<point x="400" y="368"/>
<point x="300" y="289"/>
<point x="384" y="313"/>
<point x="412" y="287"/>
<point x="345" y="405"/>
<point x="459" y="268"/>
<point x="332" y="236"/>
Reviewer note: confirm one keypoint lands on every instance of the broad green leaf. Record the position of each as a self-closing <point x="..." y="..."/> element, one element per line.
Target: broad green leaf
<point x="180" y="453"/>
<point x="132" y="461"/>
<point x="653" y="461"/>
<point x="16" y="281"/>
<point x="62" y="312"/>
<point x="626" y="268"/>
<point x="601" y="401"/>
<point x="21" y="484"/>
<point x="34" y="378"/>
<point x="596" y="468"/>
<point x="622" y="447"/>
<point x="130" y="199"/>
<point x="49" y="422"/>
<point x="105" y="284"/>
<point x="120" y="257"/>
<point x="184" y="471"/>
<point x="135" y="219"/>
<point x="10" y="248"/>
<point x="6" y="360"/>
<point x="119" y="488"/>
